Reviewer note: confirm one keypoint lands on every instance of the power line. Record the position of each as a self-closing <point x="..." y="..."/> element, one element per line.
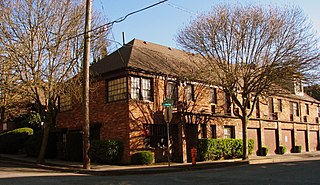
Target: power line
<point x="104" y="27"/>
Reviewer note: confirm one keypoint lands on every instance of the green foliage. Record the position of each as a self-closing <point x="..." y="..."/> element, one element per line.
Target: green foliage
<point x="142" y="157"/>
<point x="34" y="119"/>
<point x="264" y="151"/>
<point x="33" y="145"/>
<point x="213" y="149"/>
<point x="106" y="152"/>
<point x="297" y="149"/>
<point x="13" y="141"/>
<point x="250" y="146"/>
<point x="282" y="150"/>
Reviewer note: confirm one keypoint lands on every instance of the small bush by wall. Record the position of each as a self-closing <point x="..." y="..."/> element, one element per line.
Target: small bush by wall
<point x="13" y="141"/>
<point x="282" y="150"/>
<point x="142" y="157"/>
<point x="264" y="151"/>
<point x="297" y="149"/>
<point x="33" y="145"/>
<point x="213" y="149"/>
<point x="106" y="152"/>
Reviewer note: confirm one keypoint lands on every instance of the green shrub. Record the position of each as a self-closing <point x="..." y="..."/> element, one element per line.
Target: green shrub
<point x="213" y="149"/>
<point x="250" y="146"/>
<point x="264" y="151"/>
<point x="297" y="149"/>
<point x="106" y="152"/>
<point x="142" y="157"/>
<point x="13" y="141"/>
<point x="33" y="145"/>
<point x="282" y="150"/>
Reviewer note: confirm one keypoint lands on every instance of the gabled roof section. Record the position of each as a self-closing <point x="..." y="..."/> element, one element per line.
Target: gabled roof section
<point x="146" y="56"/>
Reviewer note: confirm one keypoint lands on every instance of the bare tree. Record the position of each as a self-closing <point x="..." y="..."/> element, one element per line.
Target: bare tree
<point x="43" y="40"/>
<point x="251" y="51"/>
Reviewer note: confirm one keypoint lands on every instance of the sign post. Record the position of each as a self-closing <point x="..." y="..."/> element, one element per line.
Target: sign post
<point x="167" y="103"/>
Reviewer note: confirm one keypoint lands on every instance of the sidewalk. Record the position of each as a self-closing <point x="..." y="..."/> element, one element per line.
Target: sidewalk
<point x="76" y="167"/>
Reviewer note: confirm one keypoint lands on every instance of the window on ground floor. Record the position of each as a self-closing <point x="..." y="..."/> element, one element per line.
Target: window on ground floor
<point x="229" y="132"/>
<point x="213" y="131"/>
<point x="157" y="135"/>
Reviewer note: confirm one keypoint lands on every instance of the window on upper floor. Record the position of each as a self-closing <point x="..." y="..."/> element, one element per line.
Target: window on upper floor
<point x="279" y="104"/>
<point x="172" y="92"/>
<point x="307" y="109"/>
<point x="213" y="96"/>
<point x="141" y="88"/>
<point x="294" y="109"/>
<point x="227" y="104"/>
<point x="271" y="108"/>
<point x="258" y="108"/>
<point x="117" y="89"/>
<point x="65" y="102"/>
<point x="189" y="92"/>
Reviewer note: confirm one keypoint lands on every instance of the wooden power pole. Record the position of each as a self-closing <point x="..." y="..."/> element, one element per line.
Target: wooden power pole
<point x="85" y="87"/>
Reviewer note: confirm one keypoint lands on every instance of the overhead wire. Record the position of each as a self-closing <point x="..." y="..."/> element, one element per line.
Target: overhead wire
<point x="104" y="27"/>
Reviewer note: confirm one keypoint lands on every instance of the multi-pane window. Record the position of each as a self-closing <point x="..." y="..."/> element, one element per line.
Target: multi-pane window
<point x="307" y="109"/>
<point x="189" y="92"/>
<point x="229" y="132"/>
<point x="157" y="136"/>
<point x="213" y="96"/>
<point x="65" y="102"/>
<point x="172" y="92"/>
<point x="141" y="88"/>
<point x="294" y="109"/>
<point x="117" y="89"/>
<point x="146" y="89"/>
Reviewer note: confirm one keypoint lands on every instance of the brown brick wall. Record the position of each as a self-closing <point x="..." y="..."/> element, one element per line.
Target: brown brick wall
<point x="124" y="120"/>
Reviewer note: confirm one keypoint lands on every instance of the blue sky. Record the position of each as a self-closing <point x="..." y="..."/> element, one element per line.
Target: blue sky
<point x="161" y="23"/>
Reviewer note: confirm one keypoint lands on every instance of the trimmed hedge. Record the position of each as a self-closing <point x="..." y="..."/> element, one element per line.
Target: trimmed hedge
<point x="13" y="141"/>
<point x="33" y="145"/>
<point x="106" y="152"/>
<point x="142" y="157"/>
<point x="213" y="149"/>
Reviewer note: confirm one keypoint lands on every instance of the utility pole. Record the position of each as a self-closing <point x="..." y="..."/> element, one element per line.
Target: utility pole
<point x="85" y="88"/>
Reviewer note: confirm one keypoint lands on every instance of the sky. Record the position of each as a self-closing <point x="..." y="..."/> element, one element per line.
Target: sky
<point x="160" y="24"/>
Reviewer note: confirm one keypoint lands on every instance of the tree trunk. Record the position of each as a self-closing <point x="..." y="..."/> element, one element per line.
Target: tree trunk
<point x="245" y="137"/>
<point x="42" y="153"/>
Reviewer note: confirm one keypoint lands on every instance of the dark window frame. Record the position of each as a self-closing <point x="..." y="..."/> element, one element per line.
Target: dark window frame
<point x="110" y="97"/>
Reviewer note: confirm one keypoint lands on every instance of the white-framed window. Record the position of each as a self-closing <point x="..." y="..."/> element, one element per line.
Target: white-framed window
<point x="172" y="92"/>
<point x="117" y="89"/>
<point x="135" y="88"/>
<point x="141" y="88"/>
<point x="229" y="132"/>
<point x="294" y="108"/>
<point x="146" y="89"/>
<point x="189" y="92"/>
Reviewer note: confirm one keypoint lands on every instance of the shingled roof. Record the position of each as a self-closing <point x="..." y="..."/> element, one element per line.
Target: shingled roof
<point x="146" y="56"/>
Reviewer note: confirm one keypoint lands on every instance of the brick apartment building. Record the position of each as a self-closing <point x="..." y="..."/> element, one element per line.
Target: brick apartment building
<point x="126" y="97"/>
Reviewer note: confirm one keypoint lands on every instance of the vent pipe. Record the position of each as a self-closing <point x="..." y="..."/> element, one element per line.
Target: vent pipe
<point x="123" y="39"/>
